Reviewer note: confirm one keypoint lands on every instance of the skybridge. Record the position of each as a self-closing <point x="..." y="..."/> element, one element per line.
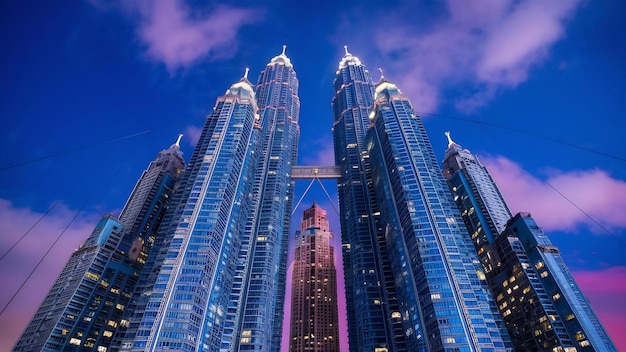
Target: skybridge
<point x="315" y="173"/>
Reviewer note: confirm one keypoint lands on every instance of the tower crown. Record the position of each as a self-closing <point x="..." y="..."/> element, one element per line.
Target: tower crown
<point x="282" y="58"/>
<point x="453" y="147"/>
<point x="384" y="85"/>
<point x="348" y="59"/>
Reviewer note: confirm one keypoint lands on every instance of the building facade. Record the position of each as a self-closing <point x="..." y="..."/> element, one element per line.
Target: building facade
<point x="86" y="303"/>
<point x="89" y="300"/>
<point x="314" y="317"/>
<point x="444" y="302"/>
<point x="218" y="282"/>
<point x="186" y="305"/>
<point x="371" y="299"/>
<point x="539" y="302"/>
<point x="263" y="260"/>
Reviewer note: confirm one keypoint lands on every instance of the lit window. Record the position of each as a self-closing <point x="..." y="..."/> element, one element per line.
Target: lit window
<point x="75" y="341"/>
<point x="544" y="274"/>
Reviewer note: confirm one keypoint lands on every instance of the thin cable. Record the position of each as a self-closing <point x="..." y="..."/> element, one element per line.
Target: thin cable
<point x="328" y="196"/>
<point x="53" y="244"/>
<point x="483" y="123"/>
<point x="29" y="230"/>
<point x="610" y="233"/>
<point x="587" y="214"/>
<point x="73" y="150"/>
<point x="301" y="198"/>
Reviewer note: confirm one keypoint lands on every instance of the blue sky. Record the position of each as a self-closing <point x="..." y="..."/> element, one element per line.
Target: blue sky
<point x="92" y="90"/>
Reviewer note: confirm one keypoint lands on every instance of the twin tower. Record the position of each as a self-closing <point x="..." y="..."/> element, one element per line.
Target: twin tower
<point x="197" y="260"/>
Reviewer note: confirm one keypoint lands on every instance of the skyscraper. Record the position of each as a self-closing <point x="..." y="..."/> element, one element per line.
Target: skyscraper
<point x="88" y="300"/>
<point x="219" y="280"/>
<point x="443" y="301"/>
<point x="264" y="258"/>
<point x="314" y="317"/>
<point x="538" y="299"/>
<point x="195" y="268"/>
<point x="144" y="210"/>
<point x="540" y="302"/>
<point x="374" y="322"/>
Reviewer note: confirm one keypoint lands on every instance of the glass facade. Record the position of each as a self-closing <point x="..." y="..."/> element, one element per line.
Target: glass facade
<point x="444" y="302"/>
<point x="539" y="302"/>
<point x="87" y="301"/>
<point x="186" y="307"/>
<point x="217" y="282"/>
<point x="88" y="306"/>
<point x="371" y="301"/>
<point x="262" y="263"/>
<point x="566" y="316"/>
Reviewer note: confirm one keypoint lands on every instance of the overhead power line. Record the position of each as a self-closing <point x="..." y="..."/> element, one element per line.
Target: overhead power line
<point x="554" y="140"/>
<point x="75" y="149"/>
<point x="29" y="230"/>
<point x="53" y="243"/>
<point x="582" y="211"/>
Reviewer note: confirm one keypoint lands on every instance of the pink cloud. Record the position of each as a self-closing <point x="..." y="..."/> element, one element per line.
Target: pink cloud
<point x="486" y="45"/>
<point x="322" y="155"/>
<point x="179" y="37"/>
<point x="20" y="261"/>
<point x="594" y="191"/>
<point x="522" y="38"/>
<point x="606" y="292"/>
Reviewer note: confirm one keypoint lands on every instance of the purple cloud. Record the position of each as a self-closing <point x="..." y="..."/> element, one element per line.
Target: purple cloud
<point x="487" y="46"/>
<point x="19" y="262"/>
<point x="178" y="37"/>
<point x="594" y="191"/>
<point x="321" y="153"/>
<point x="192" y="134"/>
<point x="606" y="291"/>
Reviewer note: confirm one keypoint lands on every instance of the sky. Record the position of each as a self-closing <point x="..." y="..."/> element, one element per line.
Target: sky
<point x="92" y="90"/>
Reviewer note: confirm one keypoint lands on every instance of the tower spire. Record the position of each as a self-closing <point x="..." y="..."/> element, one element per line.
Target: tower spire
<point x="382" y="76"/>
<point x="450" y="141"/>
<point x="245" y="75"/>
<point x="178" y="140"/>
<point x="345" y="47"/>
<point x="284" y="48"/>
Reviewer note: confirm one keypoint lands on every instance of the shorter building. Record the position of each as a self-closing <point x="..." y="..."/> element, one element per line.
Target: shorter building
<point x="314" y="317"/>
<point x="541" y="304"/>
<point x="86" y="304"/>
<point x="90" y="306"/>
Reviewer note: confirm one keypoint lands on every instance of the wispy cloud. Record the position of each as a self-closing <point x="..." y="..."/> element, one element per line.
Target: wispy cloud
<point x="484" y="46"/>
<point x="17" y="265"/>
<point x="179" y="37"/>
<point x="594" y="191"/>
<point x="319" y="152"/>
<point x="192" y="134"/>
<point x="606" y="291"/>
